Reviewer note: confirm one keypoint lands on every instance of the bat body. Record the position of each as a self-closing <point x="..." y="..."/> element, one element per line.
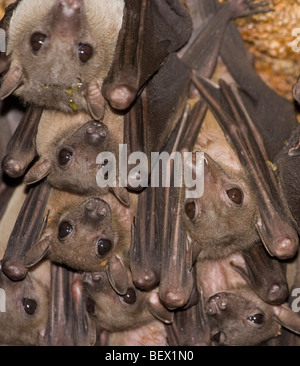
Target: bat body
<point x="78" y="32"/>
<point x="236" y="314"/>
<point x="86" y="234"/>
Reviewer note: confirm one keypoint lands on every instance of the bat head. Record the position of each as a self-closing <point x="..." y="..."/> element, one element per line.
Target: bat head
<point x="24" y="307"/>
<point x="135" y="308"/>
<point x="227" y="203"/>
<point x="80" y="236"/>
<point x="64" y="38"/>
<point x="71" y="164"/>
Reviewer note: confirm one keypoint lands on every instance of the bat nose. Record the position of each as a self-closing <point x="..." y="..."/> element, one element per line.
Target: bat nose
<point x="96" y="209"/>
<point x="95" y="132"/>
<point x="216" y="304"/>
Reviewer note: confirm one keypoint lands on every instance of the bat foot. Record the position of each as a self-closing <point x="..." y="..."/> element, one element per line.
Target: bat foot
<point x="244" y="8"/>
<point x="277" y="294"/>
<point x="147" y="281"/>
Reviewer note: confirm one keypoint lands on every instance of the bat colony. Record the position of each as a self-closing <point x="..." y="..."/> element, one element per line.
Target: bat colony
<point x="128" y="264"/>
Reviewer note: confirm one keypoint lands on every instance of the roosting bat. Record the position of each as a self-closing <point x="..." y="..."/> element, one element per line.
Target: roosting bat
<point x="76" y="41"/>
<point x="86" y="234"/>
<point x="27" y="307"/>
<point x="146" y="266"/>
<point x="135" y="308"/>
<point x="237" y="316"/>
<point x="68" y="147"/>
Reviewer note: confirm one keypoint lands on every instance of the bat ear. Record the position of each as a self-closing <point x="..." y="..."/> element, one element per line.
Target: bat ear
<point x="117" y="275"/>
<point x="12" y="80"/>
<point x="122" y="195"/>
<point x="157" y="309"/>
<point x="287" y="318"/>
<point x="39" y="251"/>
<point x="95" y="101"/>
<point x="39" y="171"/>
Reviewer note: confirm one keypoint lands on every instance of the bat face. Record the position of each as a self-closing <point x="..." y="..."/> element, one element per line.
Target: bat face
<point x="27" y="309"/>
<point x="84" y="236"/>
<point x="104" y="303"/>
<point x="227" y="202"/>
<point x="73" y="40"/>
<point x="240" y="318"/>
<point x="71" y="164"/>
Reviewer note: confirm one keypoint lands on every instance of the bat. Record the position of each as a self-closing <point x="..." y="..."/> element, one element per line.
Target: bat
<point x="280" y="239"/>
<point x="96" y="228"/>
<point x="145" y="266"/>
<point x="136" y="27"/>
<point x="237" y="316"/>
<point x="135" y="308"/>
<point x="73" y="148"/>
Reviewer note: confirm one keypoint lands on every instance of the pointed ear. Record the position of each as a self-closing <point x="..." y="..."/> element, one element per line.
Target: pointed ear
<point x="287" y="318"/>
<point x="122" y="194"/>
<point x="39" y="171"/>
<point x="12" y="80"/>
<point x="117" y="275"/>
<point x="158" y="310"/>
<point x="39" y="251"/>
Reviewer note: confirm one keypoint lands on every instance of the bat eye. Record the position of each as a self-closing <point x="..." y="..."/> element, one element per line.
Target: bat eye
<point x="37" y="40"/>
<point x="191" y="210"/>
<point x="64" y="229"/>
<point x="235" y="195"/>
<point x="256" y="318"/>
<point x="85" y="52"/>
<point x="129" y="297"/>
<point x="29" y="305"/>
<point x="64" y="156"/>
<point x="104" y="246"/>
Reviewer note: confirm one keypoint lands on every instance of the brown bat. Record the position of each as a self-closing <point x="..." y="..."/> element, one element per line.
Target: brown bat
<point x="68" y="147"/>
<point x="86" y="234"/>
<point x="148" y="258"/>
<point x="27" y="307"/>
<point x="76" y="40"/>
<point x="237" y="316"/>
<point x="135" y="308"/>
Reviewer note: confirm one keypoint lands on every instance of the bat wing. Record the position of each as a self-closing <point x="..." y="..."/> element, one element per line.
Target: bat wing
<point x="150" y="31"/>
<point x="26" y="231"/>
<point x="20" y="150"/>
<point x="264" y="274"/>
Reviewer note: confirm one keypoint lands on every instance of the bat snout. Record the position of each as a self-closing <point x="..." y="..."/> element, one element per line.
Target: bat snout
<point x="95" y="133"/>
<point x="216" y="304"/>
<point x="96" y="209"/>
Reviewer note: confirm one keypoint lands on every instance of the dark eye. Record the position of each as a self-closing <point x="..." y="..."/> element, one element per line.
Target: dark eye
<point x="190" y="210"/>
<point x="64" y="156"/>
<point x="256" y="318"/>
<point x="64" y="229"/>
<point x="85" y="52"/>
<point x="104" y="246"/>
<point x="29" y="305"/>
<point x="37" y="40"/>
<point x="235" y="195"/>
<point x="129" y="297"/>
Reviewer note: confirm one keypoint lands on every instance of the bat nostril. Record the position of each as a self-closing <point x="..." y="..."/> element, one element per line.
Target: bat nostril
<point x="95" y="133"/>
